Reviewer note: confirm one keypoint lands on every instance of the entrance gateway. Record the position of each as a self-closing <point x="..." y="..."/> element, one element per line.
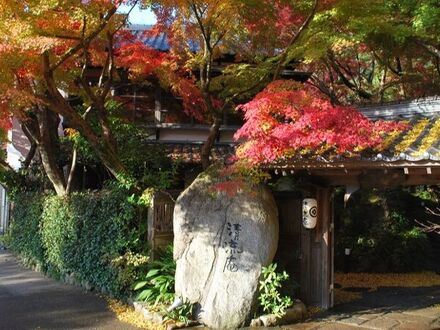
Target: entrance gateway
<point x="409" y="158"/>
<point x="310" y="264"/>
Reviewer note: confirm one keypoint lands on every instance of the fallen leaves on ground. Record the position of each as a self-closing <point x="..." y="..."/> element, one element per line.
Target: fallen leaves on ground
<point x="311" y="311"/>
<point x="342" y="297"/>
<point x="127" y="314"/>
<point x="372" y="281"/>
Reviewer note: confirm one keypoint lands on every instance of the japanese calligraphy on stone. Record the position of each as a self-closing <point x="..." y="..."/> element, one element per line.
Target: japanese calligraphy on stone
<point x="232" y="246"/>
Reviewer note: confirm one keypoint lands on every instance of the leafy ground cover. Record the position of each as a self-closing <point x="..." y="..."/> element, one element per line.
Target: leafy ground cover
<point x="126" y="313"/>
<point x="369" y="282"/>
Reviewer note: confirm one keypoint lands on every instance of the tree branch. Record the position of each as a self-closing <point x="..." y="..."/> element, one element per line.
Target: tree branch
<point x="110" y="68"/>
<point x="32" y="150"/>
<point x="430" y="48"/>
<point x="72" y="169"/>
<point x="294" y="39"/>
<point x="85" y="41"/>
<point x="318" y="83"/>
<point x="362" y="93"/>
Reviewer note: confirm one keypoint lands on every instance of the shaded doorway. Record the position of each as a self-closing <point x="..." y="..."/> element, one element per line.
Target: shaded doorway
<point x="306" y="254"/>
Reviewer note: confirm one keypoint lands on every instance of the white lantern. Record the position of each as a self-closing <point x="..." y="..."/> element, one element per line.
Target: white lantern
<point x="310" y="213"/>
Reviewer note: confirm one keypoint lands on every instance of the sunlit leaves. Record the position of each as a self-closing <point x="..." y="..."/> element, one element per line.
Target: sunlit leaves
<point x="286" y="120"/>
<point x="139" y="59"/>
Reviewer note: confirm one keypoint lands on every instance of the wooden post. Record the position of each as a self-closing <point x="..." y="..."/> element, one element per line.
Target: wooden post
<point x="332" y="249"/>
<point x="325" y="219"/>
<point x="158" y="105"/>
<point x="150" y="229"/>
<point x="317" y="255"/>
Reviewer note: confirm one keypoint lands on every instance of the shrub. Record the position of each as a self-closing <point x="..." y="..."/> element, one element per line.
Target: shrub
<point x="378" y="226"/>
<point x="92" y="237"/>
<point x="24" y="235"/>
<point x="182" y="314"/>
<point x="270" y="297"/>
<point x="157" y="286"/>
<point x="59" y="236"/>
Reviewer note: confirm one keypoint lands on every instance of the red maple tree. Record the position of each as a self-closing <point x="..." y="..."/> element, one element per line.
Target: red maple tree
<point x="287" y="118"/>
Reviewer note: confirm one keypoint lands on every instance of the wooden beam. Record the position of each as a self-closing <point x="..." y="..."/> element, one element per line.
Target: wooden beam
<point x="336" y="172"/>
<point x="426" y="179"/>
<point x="355" y="164"/>
<point x="382" y="179"/>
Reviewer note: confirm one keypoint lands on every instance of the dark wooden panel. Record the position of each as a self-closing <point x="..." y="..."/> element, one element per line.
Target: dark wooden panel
<point x="332" y="251"/>
<point x="289" y="245"/>
<point x="324" y="274"/>
<point x="305" y="281"/>
<point x="316" y="256"/>
<point x="315" y="276"/>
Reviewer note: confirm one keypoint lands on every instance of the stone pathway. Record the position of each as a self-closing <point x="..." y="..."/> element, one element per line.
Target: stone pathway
<point x="28" y="300"/>
<point x="385" y="309"/>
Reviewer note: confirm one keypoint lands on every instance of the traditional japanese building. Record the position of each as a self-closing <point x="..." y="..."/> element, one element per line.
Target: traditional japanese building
<point x="411" y="157"/>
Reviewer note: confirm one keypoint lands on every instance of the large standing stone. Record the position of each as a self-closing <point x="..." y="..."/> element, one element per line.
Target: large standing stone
<point x="220" y="245"/>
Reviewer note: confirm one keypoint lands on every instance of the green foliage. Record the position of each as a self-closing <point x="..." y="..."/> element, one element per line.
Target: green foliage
<point x="427" y="194"/>
<point x="92" y="237"/>
<point x="129" y="267"/>
<point x="157" y="286"/>
<point x="148" y="164"/>
<point x="5" y="240"/>
<point x="24" y="231"/>
<point x="270" y="297"/>
<point x="379" y="228"/>
<point x="181" y="314"/>
<point x="31" y="179"/>
<point x="241" y="79"/>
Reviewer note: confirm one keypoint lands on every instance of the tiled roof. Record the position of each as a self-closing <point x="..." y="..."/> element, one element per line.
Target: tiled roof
<point x="158" y="42"/>
<point x="420" y="142"/>
<point x="425" y="107"/>
<point x="189" y="152"/>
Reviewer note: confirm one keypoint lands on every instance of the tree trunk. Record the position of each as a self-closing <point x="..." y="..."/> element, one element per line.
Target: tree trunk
<point x="43" y="129"/>
<point x="103" y="146"/>
<point x="48" y="146"/>
<point x="207" y="145"/>
<point x="72" y="170"/>
<point x="32" y="150"/>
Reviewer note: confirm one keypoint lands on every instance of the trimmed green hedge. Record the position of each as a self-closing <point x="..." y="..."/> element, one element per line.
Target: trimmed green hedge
<point x="89" y="238"/>
<point x="24" y="232"/>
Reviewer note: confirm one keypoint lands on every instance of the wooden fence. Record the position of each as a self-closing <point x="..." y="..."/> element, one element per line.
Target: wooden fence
<point x="160" y="219"/>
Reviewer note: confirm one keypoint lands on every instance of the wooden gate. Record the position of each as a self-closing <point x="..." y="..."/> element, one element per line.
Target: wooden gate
<point x="160" y="219"/>
<point x="307" y="254"/>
